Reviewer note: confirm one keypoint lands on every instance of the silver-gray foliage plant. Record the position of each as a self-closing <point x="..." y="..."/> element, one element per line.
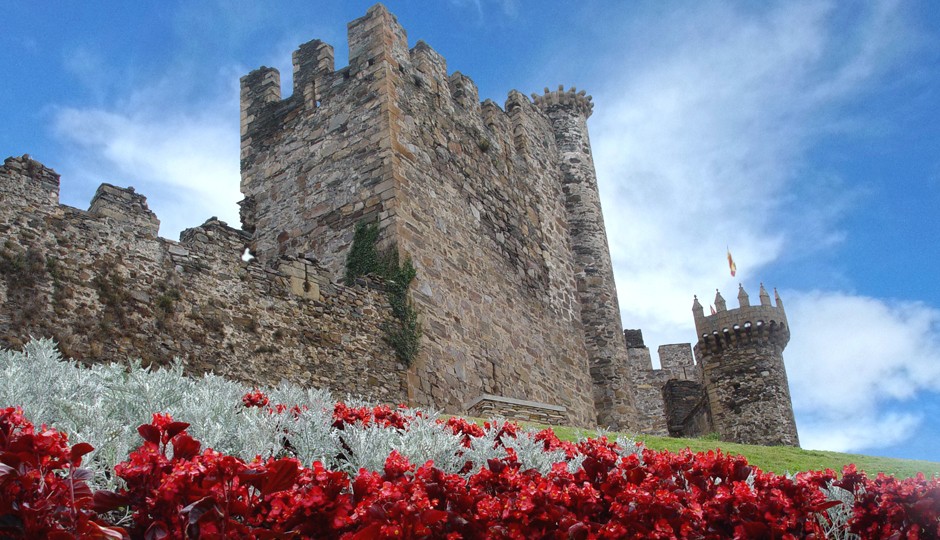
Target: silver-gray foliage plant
<point x="104" y="404"/>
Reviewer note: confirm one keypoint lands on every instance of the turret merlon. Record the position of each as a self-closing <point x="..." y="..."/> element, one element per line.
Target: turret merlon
<point x="258" y="89"/>
<point x="743" y="299"/>
<point x="720" y="304"/>
<point x="697" y="311"/>
<point x="764" y="298"/>
<point x="313" y="64"/>
<point x="374" y="38"/>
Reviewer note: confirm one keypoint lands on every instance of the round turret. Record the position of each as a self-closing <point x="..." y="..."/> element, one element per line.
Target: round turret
<point x="579" y="101"/>
<point x="614" y="394"/>
<point x="741" y="352"/>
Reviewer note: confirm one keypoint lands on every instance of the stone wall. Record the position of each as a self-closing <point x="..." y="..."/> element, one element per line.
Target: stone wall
<point x="686" y="409"/>
<point x="481" y="210"/>
<point x="488" y="406"/>
<point x="652" y="401"/>
<point x="318" y="162"/>
<point x="106" y="287"/>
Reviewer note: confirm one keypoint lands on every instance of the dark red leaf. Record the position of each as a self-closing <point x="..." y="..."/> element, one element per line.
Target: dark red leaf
<point x="822" y="507"/>
<point x="81" y="491"/>
<point x="79" y="450"/>
<point x="741" y="472"/>
<point x="578" y="531"/>
<point x="185" y="447"/>
<point x="280" y="476"/>
<point x="201" y="508"/>
<point x="82" y="475"/>
<point x="105" y="533"/>
<point x="150" y="433"/>
<point x="10" y="458"/>
<point x="369" y="533"/>
<point x="105" y="501"/>
<point x="432" y="516"/>
<point x="925" y="506"/>
<point x="495" y="465"/>
<point x="174" y="428"/>
<point x="755" y="529"/>
<point x="252" y="477"/>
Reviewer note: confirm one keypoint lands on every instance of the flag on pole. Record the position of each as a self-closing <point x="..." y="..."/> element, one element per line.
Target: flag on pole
<point x="711" y="307"/>
<point x="731" y="265"/>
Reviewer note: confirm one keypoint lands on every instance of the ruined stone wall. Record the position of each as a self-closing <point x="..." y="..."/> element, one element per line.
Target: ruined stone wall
<point x="741" y="353"/>
<point x="107" y="288"/>
<point x="686" y="409"/>
<point x="489" y="406"/>
<point x="652" y="402"/>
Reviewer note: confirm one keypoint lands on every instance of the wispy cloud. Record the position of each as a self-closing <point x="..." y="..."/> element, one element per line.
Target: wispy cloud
<point x="507" y="8"/>
<point x="855" y="358"/>
<point x="699" y="148"/>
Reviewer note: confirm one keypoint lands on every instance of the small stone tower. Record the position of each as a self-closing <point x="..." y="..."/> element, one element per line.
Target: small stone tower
<point x="741" y="354"/>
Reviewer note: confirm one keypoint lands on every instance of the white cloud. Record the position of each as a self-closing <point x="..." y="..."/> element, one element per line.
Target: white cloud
<point x="185" y="161"/>
<point x="851" y="358"/>
<point x="701" y="143"/>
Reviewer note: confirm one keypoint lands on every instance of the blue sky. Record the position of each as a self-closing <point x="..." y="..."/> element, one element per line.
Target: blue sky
<point x="802" y="135"/>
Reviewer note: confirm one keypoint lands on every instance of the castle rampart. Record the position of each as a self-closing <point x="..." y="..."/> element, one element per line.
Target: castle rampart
<point x="105" y="286"/>
<point x="652" y="402"/>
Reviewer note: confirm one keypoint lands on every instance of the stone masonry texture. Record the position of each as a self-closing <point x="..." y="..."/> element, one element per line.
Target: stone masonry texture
<point x="496" y="206"/>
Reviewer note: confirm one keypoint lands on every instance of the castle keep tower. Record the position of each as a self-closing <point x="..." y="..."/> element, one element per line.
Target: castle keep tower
<point x="497" y="208"/>
<point x="741" y="355"/>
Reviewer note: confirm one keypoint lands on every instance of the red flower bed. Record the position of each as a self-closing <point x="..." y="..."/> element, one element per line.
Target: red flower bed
<point x="43" y="492"/>
<point x="177" y="489"/>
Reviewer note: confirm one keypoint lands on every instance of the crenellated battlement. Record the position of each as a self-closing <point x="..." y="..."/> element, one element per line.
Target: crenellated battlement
<point x="728" y="327"/>
<point x="572" y="98"/>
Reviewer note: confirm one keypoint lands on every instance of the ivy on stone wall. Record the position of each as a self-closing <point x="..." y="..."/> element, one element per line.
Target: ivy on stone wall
<point x="403" y="332"/>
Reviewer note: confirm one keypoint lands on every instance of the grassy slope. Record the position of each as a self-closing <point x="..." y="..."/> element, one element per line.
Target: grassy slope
<point x="781" y="459"/>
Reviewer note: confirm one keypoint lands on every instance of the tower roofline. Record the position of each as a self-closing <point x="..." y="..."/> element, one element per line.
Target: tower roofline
<point x="744" y="317"/>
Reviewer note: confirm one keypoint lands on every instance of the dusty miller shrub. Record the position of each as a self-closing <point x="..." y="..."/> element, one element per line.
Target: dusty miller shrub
<point x="103" y="405"/>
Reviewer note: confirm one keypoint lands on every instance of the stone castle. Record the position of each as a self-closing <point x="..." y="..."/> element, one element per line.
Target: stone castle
<point x="497" y="209"/>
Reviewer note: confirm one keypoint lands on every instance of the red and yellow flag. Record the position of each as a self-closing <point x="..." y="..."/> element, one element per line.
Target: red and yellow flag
<point x="731" y="265"/>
